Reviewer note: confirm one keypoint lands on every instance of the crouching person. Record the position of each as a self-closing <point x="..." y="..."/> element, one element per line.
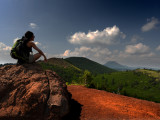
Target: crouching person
<point x="22" y="49"/>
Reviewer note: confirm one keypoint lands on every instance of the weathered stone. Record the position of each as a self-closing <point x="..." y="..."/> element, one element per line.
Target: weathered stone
<point x="28" y="92"/>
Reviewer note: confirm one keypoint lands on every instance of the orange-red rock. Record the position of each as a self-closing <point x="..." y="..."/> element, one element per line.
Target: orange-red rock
<point x="28" y="92"/>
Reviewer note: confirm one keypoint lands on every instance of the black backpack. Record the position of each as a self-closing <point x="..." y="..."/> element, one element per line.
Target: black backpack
<point x="18" y="50"/>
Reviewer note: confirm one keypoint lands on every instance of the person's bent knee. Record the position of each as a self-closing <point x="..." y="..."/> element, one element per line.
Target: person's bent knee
<point x="37" y="56"/>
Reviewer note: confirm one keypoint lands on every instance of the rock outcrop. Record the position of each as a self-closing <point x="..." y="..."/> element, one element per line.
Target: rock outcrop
<point x="28" y="92"/>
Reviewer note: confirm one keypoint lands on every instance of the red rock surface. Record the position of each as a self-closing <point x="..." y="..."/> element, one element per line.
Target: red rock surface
<point x="28" y="92"/>
<point x="92" y="104"/>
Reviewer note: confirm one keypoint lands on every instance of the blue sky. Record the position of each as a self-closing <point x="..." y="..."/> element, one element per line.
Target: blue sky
<point x="126" y="31"/>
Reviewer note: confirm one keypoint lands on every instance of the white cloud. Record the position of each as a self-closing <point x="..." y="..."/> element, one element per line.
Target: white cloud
<point x="145" y="59"/>
<point x="150" y="25"/>
<point x="150" y="54"/>
<point x="4" y="47"/>
<point x="93" y="46"/>
<point x="130" y="55"/>
<point x="87" y="52"/>
<point x="136" y="38"/>
<point x="137" y="49"/>
<point x="158" y="48"/>
<point x="96" y="53"/>
<point x="108" y="36"/>
<point x="66" y="53"/>
<point x="33" y="25"/>
<point x="37" y="43"/>
<point x="134" y="55"/>
<point x="5" y="54"/>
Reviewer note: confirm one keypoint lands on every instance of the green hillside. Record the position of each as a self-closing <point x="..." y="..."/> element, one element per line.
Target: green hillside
<point x="67" y="71"/>
<point x="60" y="62"/>
<point x="86" y="64"/>
<point x="152" y="73"/>
<point x="130" y="83"/>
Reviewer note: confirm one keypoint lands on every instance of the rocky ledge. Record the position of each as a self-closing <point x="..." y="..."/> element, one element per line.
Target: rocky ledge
<point x="28" y="92"/>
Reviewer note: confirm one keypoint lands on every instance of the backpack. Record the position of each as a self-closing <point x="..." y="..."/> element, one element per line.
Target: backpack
<point x="18" y="50"/>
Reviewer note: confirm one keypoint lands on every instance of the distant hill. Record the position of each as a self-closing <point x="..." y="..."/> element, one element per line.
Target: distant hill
<point x="70" y="73"/>
<point x="60" y="62"/>
<point x="152" y="73"/>
<point x="86" y="64"/>
<point x="117" y="66"/>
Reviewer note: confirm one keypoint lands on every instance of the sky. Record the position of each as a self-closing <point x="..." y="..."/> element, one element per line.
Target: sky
<point x="126" y="31"/>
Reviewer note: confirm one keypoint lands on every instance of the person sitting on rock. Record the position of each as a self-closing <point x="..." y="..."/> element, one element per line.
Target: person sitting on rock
<point x="24" y="52"/>
<point x="30" y="44"/>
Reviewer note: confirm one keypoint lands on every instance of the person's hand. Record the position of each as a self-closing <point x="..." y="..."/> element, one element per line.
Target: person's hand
<point x="45" y="59"/>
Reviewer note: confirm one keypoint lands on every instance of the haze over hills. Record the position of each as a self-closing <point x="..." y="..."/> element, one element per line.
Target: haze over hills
<point x="86" y="64"/>
<point x="117" y="66"/>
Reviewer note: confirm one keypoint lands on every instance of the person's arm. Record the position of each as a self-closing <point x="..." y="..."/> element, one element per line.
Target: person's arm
<point x="32" y="44"/>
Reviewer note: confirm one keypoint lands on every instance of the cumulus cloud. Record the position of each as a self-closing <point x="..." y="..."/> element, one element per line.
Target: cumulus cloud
<point x="37" y="43"/>
<point x="5" y="53"/>
<point x="66" y="53"/>
<point x="158" y="48"/>
<point x="4" y="47"/>
<point x="137" y="49"/>
<point x="102" y="55"/>
<point x="33" y="25"/>
<point x="136" y="38"/>
<point x="143" y="59"/>
<point x="108" y="36"/>
<point x="151" y="24"/>
<point x="93" y="46"/>
<point x="97" y="53"/>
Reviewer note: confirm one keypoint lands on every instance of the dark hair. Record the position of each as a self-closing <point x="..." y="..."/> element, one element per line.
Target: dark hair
<point x="29" y="34"/>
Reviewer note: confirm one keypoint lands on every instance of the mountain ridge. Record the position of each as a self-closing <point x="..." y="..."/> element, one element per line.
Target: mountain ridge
<point x="61" y="63"/>
<point x="117" y="66"/>
<point x="87" y="64"/>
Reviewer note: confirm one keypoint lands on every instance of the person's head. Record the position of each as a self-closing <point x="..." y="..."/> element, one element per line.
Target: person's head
<point x="29" y="35"/>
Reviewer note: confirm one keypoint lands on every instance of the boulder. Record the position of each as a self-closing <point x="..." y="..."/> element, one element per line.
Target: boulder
<point x="29" y="92"/>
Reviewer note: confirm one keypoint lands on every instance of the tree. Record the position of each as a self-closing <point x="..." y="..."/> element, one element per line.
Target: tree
<point x="113" y="81"/>
<point x="87" y="77"/>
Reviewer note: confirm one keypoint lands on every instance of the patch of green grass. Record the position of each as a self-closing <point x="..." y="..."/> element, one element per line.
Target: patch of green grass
<point x="129" y="83"/>
<point x="152" y="73"/>
<point x="69" y="74"/>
